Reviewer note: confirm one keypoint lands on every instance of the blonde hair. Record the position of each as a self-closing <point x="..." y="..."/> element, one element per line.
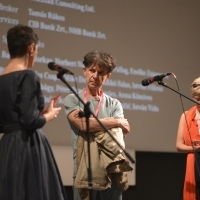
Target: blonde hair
<point x="195" y="87"/>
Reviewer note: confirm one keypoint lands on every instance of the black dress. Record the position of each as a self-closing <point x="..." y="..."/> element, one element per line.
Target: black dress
<point x="28" y="170"/>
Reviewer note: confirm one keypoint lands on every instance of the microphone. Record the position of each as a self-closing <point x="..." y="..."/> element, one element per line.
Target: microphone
<point x="148" y="81"/>
<point x="56" y="67"/>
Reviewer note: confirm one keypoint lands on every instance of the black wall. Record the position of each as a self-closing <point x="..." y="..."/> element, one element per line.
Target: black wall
<point x="159" y="176"/>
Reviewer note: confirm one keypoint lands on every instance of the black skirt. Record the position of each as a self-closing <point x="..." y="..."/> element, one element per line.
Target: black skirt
<point x="28" y="170"/>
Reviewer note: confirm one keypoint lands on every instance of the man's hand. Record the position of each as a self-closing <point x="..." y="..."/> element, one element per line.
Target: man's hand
<point x="124" y="125"/>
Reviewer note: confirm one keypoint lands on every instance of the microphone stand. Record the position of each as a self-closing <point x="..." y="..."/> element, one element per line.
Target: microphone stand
<point x="88" y="112"/>
<point x="165" y="85"/>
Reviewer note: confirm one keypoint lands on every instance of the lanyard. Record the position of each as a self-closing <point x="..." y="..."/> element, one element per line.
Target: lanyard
<point x="99" y="104"/>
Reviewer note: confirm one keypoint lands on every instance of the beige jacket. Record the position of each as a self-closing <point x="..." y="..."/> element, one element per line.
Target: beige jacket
<point x="106" y="158"/>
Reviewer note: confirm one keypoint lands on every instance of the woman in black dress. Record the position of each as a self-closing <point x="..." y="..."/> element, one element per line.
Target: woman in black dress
<point x="28" y="170"/>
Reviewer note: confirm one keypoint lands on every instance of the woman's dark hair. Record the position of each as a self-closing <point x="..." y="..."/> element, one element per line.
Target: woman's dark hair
<point x="19" y="38"/>
<point x="100" y="58"/>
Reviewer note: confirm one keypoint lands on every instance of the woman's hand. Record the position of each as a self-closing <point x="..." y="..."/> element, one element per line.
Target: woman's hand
<point x="55" y="101"/>
<point x="51" y="112"/>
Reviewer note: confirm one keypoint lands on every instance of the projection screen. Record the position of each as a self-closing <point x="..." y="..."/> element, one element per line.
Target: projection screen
<point x="147" y="38"/>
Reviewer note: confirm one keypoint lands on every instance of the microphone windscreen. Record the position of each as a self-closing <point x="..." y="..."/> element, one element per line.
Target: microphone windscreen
<point x="145" y="82"/>
<point x="51" y="65"/>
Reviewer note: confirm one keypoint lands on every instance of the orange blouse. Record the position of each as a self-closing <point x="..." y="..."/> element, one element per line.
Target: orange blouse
<point x="191" y="133"/>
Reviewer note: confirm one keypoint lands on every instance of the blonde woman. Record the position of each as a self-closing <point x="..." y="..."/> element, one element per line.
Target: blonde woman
<point x="188" y="141"/>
